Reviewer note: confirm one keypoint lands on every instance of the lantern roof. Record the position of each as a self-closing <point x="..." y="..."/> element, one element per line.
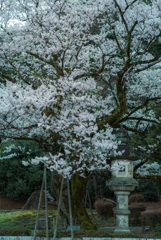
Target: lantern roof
<point x="129" y="153"/>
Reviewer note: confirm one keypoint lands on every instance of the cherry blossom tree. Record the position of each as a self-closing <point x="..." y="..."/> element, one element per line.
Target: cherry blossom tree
<point x="71" y="71"/>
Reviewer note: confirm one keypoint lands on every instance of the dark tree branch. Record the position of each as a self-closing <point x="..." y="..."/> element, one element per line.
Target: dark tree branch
<point x="129" y="41"/>
<point x="43" y="60"/>
<point x="8" y="78"/>
<point x="133" y="130"/>
<point x="16" y="70"/>
<point x="138" y="176"/>
<point x="109" y="84"/>
<point x="144" y="119"/>
<point x="129" y="5"/>
<point x="147" y="159"/>
<point x="121" y="13"/>
<point x="147" y="67"/>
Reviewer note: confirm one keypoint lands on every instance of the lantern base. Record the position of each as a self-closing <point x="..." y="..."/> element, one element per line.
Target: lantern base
<point x="119" y="230"/>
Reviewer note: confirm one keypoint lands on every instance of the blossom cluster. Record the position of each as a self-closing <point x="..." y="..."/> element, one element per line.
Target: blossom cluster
<point x="55" y="55"/>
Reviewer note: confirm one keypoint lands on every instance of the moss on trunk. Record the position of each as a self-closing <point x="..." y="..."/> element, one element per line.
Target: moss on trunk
<point x="78" y="186"/>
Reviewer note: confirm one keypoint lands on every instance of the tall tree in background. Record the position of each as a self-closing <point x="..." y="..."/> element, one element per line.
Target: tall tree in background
<point x="55" y="55"/>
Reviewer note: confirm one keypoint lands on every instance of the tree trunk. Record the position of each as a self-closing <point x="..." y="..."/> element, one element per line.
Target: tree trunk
<point x="78" y="187"/>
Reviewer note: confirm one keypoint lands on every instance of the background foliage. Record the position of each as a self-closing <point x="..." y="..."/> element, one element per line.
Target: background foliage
<point x="17" y="181"/>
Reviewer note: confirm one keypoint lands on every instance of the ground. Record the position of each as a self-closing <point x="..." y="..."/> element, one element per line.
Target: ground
<point x="20" y="223"/>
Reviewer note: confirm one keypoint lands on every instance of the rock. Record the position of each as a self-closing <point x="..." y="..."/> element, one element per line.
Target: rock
<point x="42" y="223"/>
<point x="33" y="200"/>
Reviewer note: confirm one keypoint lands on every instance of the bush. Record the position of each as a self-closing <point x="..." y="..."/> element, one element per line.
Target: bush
<point x="135" y="212"/>
<point x="136" y="209"/>
<point x="136" y="198"/>
<point x="150" y="218"/>
<point x="157" y="230"/>
<point x="104" y="208"/>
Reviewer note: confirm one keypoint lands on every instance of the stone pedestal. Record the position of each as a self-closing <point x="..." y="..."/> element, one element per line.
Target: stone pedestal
<point x="122" y="188"/>
<point x="42" y="223"/>
<point x="122" y="212"/>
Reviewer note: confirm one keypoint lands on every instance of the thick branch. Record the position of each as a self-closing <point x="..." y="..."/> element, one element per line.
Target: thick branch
<point x="142" y="105"/>
<point x="144" y="119"/>
<point x="147" y="159"/>
<point x="138" y="176"/>
<point x="127" y="117"/>
<point x="148" y="61"/>
<point x="148" y="66"/>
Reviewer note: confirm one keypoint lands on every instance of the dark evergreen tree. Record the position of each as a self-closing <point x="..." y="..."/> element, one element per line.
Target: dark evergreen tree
<point x="17" y="181"/>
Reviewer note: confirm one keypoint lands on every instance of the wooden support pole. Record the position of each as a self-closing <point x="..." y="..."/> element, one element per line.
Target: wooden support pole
<point x="46" y="206"/>
<point x="70" y="210"/>
<point x="90" y="206"/>
<point x="86" y="195"/>
<point x="59" y="204"/>
<point x="39" y="205"/>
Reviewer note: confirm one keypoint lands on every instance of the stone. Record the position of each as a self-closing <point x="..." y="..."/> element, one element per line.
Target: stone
<point x="122" y="188"/>
<point x="42" y="223"/>
<point x="33" y="200"/>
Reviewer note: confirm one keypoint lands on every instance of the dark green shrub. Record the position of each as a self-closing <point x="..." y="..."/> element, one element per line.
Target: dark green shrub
<point x="149" y="191"/>
<point x="157" y="230"/>
<point x="18" y="182"/>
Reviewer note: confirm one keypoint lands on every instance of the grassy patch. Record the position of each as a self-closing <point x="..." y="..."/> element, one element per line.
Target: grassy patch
<point x="23" y="219"/>
<point x="20" y="223"/>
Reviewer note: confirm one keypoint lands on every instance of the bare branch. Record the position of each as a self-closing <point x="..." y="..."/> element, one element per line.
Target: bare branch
<point x="133" y="129"/>
<point x="121" y="13"/>
<point x="144" y="119"/>
<point x="16" y="70"/>
<point x="129" y="40"/>
<point x="43" y="60"/>
<point x="109" y="84"/>
<point x="129" y="5"/>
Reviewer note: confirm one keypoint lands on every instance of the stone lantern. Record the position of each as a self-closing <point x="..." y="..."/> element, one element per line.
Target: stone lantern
<point x="122" y="181"/>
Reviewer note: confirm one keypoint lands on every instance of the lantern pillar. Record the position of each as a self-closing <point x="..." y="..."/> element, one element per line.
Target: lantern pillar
<point x="122" y="183"/>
